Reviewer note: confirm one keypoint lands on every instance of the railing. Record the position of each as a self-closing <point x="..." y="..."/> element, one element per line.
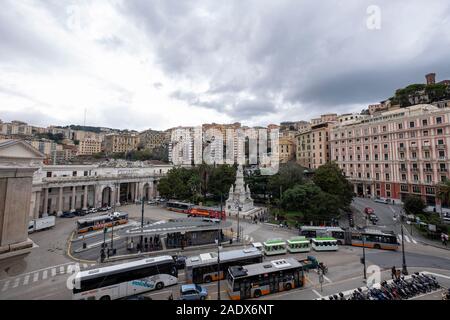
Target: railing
<point x="440" y="146"/>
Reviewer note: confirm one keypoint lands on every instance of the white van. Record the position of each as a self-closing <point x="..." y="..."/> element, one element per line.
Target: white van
<point x="41" y="224"/>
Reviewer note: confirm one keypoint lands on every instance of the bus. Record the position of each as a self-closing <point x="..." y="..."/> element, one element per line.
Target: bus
<point x="298" y="244"/>
<point x="126" y="279"/>
<point x="100" y="222"/>
<point x="324" y="244"/>
<point x="182" y="207"/>
<point x="274" y="247"/>
<point x="207" y="212"/>
<point x="255" y="280"/>
<point x="203" y="268"/>
<point x="376" y="239"/>
<point x="315" y="231"/>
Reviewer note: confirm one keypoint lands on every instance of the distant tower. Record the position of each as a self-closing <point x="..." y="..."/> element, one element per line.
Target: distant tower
<point x="431" y="78"/>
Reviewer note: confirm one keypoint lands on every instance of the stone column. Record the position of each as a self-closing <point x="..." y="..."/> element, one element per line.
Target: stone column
<point x="118" y="196"/>
<point x="45" y="208"/>
<point x="72" y="206"/>
<point x="150" y="190"/>
<point x="60" y="202"/>
<point x="37" y="204"/>
<point x="112" y="196"/>
<point x="85" y="198"/>
<point x="136" y="191"/>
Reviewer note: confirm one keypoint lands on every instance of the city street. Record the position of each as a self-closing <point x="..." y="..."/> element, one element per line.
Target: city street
<point x="53" y="266"/>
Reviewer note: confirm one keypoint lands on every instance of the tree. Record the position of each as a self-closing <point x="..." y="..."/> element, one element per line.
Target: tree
<point x="222" y="177"/>
<point x="178" y="184"/>
<point x="310" y="203"/>
<point x="289" y="175"/>
<point x="330" y="179"/>
<point x="443" y="192"/>
<point x="414" y="205"/>
<point x="258" y="184"/>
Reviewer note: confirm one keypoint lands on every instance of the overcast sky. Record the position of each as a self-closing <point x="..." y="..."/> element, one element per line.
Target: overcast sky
<point x="141" y="64"/>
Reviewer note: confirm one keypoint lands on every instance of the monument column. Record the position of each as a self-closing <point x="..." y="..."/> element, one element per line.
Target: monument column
<point x="37" y="204"/>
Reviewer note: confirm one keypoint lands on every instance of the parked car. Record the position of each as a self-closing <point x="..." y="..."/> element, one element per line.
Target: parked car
<point x="368" y="210"/>
<point x="373" y="217"/>
<point x="92" y="210"/>
<point x="385" y="201"/>
<point x="193" y="292"/>
<point x="67" y="214"/>
<point x="152" y="202"/>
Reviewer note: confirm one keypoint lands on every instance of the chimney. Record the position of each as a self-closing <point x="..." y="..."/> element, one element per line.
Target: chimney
<point x="431" y="78"/>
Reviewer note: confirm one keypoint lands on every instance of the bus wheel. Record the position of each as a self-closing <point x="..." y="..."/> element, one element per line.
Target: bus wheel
<point x="257" y="293"/>
<point x="105" y="298"/>
<point x="339" y="242"/>
<point x="288" y="286"/>
<point x="377" y="246"/>
<point x="208" y="279"/>
<point x="159" y="286"/>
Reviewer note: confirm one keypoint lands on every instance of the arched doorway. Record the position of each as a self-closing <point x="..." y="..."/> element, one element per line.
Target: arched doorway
<point x="106" y="196"/>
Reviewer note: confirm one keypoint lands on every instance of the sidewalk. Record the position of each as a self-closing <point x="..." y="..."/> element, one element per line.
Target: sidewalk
<point x="420" y="238"/>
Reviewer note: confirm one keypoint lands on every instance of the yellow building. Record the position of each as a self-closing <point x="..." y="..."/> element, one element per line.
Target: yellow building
<point x="118" y="142"/>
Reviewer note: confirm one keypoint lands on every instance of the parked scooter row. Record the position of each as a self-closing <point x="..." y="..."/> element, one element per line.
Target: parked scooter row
<point x="398" y="289"/>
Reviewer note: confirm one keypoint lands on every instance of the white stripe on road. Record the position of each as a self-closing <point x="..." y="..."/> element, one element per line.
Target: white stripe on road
<point x="44" y="274"/>
<point x="399" y="238"/>
<point x="326" y="278"/>
<point x="318" y="294"/>
<point x="5" y="286"/>
<point x="16" y="283"/>
<point x="436" y="274"/>
<point x="414" y="241"/>
<point x="61" y="270"/>
<point x="26" y="279"/>
<point x="53" y="272"/>
<point x="407" y="239"/>
<point x="36" y="277"/>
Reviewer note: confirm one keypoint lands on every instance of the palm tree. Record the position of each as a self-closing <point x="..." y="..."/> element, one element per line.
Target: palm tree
<point x="443" y="192"/>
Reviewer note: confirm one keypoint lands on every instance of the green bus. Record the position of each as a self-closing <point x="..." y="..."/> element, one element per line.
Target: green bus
<point x="298" y="244"/>
<point x="274" y="247"/>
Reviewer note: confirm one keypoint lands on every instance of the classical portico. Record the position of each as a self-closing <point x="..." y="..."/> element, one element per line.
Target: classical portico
<point x="58" y="189"/>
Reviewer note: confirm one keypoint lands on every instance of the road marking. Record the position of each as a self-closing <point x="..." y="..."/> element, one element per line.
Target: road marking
<point x="61" y="270"/>
<point x="44" y="274"/>
<point x="36" y="277"/>
<point x="407" y="239"/>
<point x="326" y="278"/>
<point x="414" y="241"/>
<point x="26" y="279"/>
<point x="318" y="294"/>
<point x="5" y="286"/>
<point x="53" y="272"/>
<point x="436" y="274"/>
<point x="16" y="283"/>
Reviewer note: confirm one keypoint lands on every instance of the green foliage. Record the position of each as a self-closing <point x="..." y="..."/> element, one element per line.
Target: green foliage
<point x="310" y="202"/>
<point x="159" y="153"/>
<point x="289" y="175"/>
<point x="258" y="184"/>
<point x="414" y="205"/>
<point x="331" y="180"/>
<point x="58" y="137"/>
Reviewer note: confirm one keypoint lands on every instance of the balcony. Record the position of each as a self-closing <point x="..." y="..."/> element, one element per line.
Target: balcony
<point x="440" y="146"/>
<point x="414" y="169"/>
<point x="401" y="149"/>
<point x="403" y="169"/>
<point x="413" y="148"/>
<point x="427" y="169"/>
<point x="426" y="147"/>
<point x="443" y="169"/>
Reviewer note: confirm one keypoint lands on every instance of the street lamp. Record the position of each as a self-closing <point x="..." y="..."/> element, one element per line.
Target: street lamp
<point x="238" y="207"/>
<point x="404" y="268"/>
<point x="218" y="249"/>
<point x="364" y="256"/>
<point x="142" y="224"/>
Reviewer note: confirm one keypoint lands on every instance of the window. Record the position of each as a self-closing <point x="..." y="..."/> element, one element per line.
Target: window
<point x="49" y="174"/>
<point x="424" y="122"/>
<point x="439" y="131"/>
<point x="438" y="120"/>
<point x="411" y="124"/>
<point x="400" y="126"/>
<point x="74" y="174"/>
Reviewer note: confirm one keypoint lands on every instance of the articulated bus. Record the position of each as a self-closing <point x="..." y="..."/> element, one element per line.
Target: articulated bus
<point x="373" y="238"/>
<point x="126" y="279"/>
<point x="100" y="222"/>
<point x="207" y="212"/>
<point x="182" y="207"/>
<point x="203" y="268"/>
<point x="298" y="244"/>
<point x="255" y="280"/>
<point x="274" y="247"/>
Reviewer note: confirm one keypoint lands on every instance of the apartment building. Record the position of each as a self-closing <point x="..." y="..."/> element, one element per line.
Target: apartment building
<point x="120" y="142"/>
<point x="287" y="149"/>
<point x="395" y="153"/>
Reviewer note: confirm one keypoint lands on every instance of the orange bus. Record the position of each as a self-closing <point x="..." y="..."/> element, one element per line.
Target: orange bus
<point x="207" y="213"/>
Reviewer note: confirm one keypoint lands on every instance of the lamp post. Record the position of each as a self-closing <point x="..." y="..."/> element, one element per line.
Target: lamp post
<point x="102" y="252"/>
<point x="142" y="223"/>
<point x="364" y="256"/>
<point x="218" y="249"/>
<point x="404" y="268"/>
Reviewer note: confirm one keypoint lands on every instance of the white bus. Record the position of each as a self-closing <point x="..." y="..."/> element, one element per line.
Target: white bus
<point x="274" y="247"/>
<point x="126" y="279"/>
<point x="298" y="244"/>
<point x="324" y="244"/>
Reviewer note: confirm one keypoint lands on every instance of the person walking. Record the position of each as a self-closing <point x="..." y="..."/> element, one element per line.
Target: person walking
<point x="393" y="272"/>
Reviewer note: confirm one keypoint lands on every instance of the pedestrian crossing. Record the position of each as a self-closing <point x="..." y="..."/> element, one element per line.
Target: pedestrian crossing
<point x="408" y="239"/>
<point x="33" y="277"/>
